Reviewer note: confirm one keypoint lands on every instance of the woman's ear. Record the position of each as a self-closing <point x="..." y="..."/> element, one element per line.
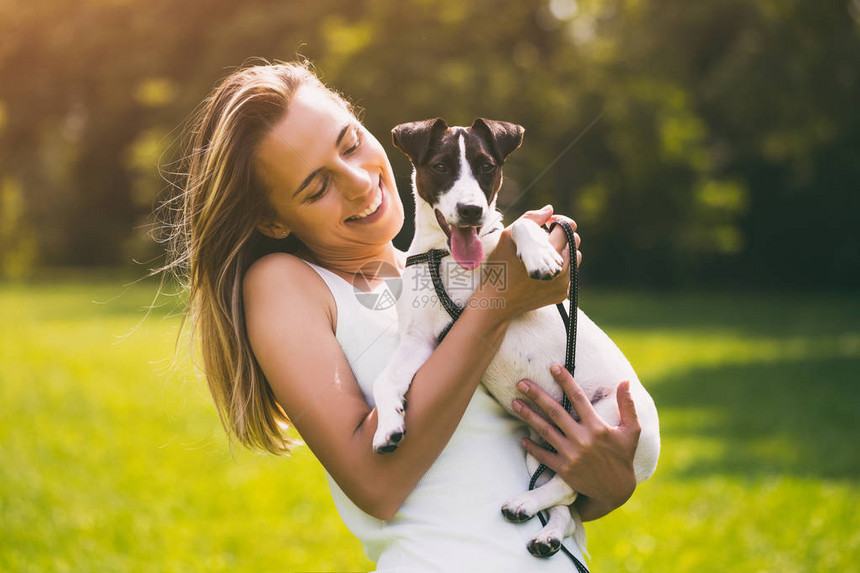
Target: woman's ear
<point x="273" y="229"/>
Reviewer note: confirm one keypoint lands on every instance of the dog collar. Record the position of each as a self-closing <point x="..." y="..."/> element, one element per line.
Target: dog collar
<point x="433" y="258"/>
<point x="428" y="257"/>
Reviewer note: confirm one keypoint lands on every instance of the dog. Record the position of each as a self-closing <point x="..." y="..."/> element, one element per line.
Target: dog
<point x="456" y="177"/>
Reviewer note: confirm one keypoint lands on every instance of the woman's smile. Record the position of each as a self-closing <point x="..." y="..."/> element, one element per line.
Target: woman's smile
<point x="374" y="211"/>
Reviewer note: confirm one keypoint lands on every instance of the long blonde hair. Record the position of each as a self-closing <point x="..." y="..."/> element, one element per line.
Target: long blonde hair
<point x="212" y="240"/>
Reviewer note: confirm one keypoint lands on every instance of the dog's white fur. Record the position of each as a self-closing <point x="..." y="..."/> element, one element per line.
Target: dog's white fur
<point x="532" y="342"/>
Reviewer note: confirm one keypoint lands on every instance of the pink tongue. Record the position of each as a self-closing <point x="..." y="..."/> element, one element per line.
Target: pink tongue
<point x="466" y="247"/>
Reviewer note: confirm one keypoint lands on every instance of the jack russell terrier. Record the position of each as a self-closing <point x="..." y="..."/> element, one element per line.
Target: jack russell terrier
<point x="456" y="179"/>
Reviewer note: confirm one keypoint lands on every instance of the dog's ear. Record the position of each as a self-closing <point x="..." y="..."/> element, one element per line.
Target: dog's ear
<point x="501" y="137"/>
<point x="414" y="138"/>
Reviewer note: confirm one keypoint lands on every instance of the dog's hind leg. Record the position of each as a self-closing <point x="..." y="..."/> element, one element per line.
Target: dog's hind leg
<point x="391" y="387"/>
<point x="560" y="523"/>
<point x="563" y="520"/>
<point x="548" y="540"/>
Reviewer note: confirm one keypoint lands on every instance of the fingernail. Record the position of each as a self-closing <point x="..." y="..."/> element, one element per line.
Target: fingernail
<point x="523" y="385"/>
<point x="523" y="442"/>
<point x="555" y="369"/>
<point x="517" y="405"/>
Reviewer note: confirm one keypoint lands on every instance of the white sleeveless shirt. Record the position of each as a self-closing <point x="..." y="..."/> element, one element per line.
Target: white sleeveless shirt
<point x="452" y="520"/>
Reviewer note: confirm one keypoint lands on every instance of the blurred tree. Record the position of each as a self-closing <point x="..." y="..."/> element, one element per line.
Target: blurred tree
<point x="712" y="141"/>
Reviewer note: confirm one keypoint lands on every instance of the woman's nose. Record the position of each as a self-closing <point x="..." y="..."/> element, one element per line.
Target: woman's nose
<point x="358" y="183"/>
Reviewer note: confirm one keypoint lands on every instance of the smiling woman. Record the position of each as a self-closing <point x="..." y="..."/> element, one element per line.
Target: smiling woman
<point x="350" y="192"/>
<point x="288" y="202"/>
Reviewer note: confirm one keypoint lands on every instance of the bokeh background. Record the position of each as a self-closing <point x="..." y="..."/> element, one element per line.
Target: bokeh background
<point x="710" y="152"/>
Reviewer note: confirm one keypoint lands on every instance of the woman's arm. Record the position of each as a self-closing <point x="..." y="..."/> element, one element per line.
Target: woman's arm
<point x="594" y="458"/>
<point x="291" y="331"/>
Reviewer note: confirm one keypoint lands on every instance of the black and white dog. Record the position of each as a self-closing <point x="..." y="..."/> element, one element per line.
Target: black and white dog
<point x="456" y="178"/>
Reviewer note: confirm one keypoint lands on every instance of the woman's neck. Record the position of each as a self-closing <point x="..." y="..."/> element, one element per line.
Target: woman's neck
<point x="369" y="263"/>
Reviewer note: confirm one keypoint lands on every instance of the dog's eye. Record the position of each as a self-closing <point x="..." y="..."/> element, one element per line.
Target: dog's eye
<point x="487" y="167"/>
<point x="439" y="167"/>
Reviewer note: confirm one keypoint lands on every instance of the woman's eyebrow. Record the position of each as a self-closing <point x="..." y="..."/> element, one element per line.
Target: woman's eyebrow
<point x="314" y="173"/>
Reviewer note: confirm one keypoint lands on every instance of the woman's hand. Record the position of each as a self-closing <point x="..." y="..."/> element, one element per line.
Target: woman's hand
<point x="520" y="292"/>
<point x="594" y="458"/>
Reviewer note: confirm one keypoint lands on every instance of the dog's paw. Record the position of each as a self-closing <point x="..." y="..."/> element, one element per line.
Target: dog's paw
<point x="544" y="546"/>
<point x="515" y="516"/>
<point x="389" y="432"/>
<point x="391" y="426"/>
<point x="542" y="261"/>
<point x="386" y="442"/>
<point x="519" y="509"/>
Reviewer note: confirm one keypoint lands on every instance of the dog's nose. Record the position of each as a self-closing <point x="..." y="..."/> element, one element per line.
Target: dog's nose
<point x="469" y="214"/>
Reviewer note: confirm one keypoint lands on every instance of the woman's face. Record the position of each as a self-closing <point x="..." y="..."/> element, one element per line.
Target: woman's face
<point x="323" y="171"/>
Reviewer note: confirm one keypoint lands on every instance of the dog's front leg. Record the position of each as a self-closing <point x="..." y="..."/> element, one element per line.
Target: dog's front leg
<point x="548" y="540"/>
<point x="538" y="255"/>
<point x="391" y="387"/>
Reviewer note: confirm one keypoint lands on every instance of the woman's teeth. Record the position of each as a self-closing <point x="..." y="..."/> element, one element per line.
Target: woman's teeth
<point x="370" y="210"/>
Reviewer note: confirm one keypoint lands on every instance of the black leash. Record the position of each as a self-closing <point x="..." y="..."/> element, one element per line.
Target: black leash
<point x="433" y="258"/>
<point x="569" y="361"/>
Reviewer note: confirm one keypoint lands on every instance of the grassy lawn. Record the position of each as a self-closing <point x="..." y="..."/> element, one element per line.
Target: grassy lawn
<point x="110" y="462"/>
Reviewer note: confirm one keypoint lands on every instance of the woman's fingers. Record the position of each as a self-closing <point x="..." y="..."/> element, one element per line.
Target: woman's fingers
<point x="564" y="274"/>
<point x="540" y="216"/>
<point x="550" y="407"/>
<point x="557" y="217"/>
<point x="541" y="454"/>
<point x="581" y="403"/>
<point x="558" y="239"/>
<point x="627" y="409"/>
<point x="547" y="431"/>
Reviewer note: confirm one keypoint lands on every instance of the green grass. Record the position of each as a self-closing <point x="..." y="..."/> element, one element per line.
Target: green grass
<point x="110" y="463"/>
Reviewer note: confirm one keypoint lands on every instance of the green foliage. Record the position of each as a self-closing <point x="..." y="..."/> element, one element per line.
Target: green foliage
<point x="111" y="462"/>
<point x="714" y="140"/>
<point x="17" y="246"/>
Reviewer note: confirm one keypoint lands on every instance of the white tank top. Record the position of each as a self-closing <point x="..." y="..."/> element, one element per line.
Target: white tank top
<point x="452" y="520"/>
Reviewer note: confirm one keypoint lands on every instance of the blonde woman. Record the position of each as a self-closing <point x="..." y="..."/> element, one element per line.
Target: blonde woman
<point x="273" y="226"/>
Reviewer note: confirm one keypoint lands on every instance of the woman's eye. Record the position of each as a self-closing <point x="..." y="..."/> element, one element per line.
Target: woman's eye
<point x="439" y="167"/>
<point x="319" y="193"/>
<point x="356" y="144"/>
<point x="487" y="167"/>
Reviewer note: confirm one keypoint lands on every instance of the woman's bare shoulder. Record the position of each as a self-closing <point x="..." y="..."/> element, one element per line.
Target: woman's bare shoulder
<point x="286" y="277"/>
<point x="278" y="267"/>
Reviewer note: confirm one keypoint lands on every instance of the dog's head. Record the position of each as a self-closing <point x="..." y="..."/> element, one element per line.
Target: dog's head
<point x="458" y="172"/>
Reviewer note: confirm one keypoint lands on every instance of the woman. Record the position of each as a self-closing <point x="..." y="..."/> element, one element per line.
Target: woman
<point x="287" y="196"/>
